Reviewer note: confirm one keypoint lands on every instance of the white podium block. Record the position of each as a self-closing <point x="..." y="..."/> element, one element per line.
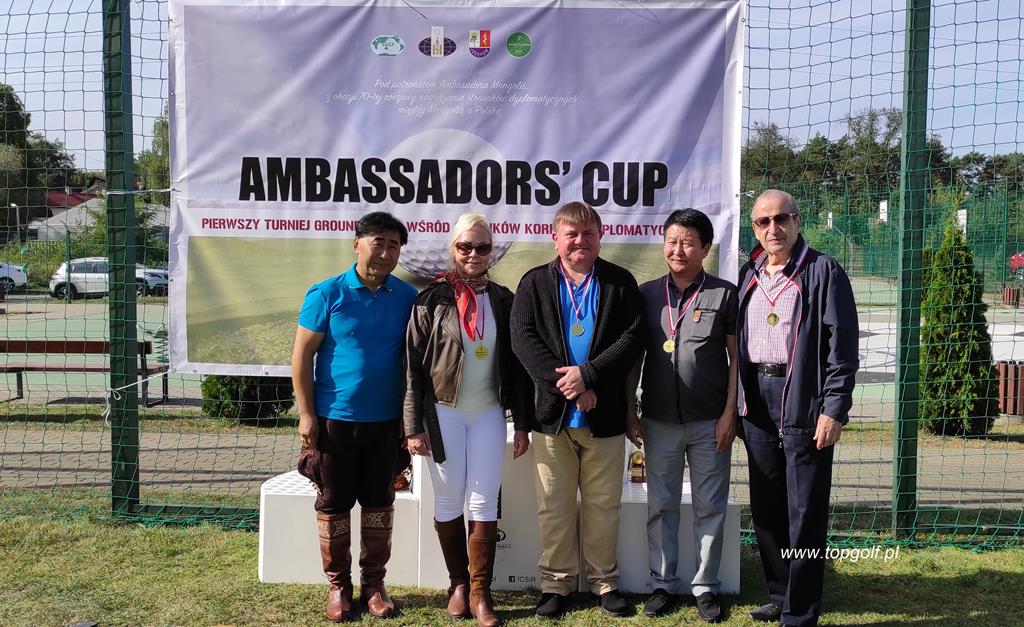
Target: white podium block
<point x="518" y="550"/>
<point x="634" y="566"/>
<point x="289" y="546"/>
<point x="431" y="570"/>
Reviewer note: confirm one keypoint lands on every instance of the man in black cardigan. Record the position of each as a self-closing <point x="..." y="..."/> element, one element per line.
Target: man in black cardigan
<point x="576" y="329"/>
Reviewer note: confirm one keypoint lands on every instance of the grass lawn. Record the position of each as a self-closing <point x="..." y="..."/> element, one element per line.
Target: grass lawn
<point x="59" y="572"/>
<point x="89" y="417"/>
<point x="1003" y="433"/>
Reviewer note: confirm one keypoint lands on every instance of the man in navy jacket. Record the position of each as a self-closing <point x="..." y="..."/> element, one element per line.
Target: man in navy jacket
<point x="797" y="339"/>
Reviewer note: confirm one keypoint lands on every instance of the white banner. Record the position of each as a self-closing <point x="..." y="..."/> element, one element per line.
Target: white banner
<point x="291" y="120"/>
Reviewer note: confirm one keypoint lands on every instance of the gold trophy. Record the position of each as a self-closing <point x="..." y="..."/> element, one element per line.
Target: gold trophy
<point x="637" y="470"/>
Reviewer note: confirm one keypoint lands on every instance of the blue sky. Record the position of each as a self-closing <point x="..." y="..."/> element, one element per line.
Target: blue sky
<point x="810" y="64"/>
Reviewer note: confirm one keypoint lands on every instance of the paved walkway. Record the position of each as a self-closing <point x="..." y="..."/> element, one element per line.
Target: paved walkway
<point x="952" y="472"/>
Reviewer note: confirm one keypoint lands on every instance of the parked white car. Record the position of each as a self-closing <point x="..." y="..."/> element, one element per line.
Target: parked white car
<point x="12" y="277"/>
<point x="88" y="276"/>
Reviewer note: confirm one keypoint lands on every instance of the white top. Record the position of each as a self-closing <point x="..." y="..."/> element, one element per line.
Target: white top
<point x="479" y="386"/>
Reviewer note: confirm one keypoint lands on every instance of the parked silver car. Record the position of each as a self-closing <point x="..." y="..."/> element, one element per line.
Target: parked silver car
<point x="88" y="276"/>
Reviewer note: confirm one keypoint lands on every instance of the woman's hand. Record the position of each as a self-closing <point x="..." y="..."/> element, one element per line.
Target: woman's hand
<point x="418" y="444"/>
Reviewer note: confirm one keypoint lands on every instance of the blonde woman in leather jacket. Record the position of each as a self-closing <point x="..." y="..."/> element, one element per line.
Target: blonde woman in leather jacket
<point x="463" y="382"/>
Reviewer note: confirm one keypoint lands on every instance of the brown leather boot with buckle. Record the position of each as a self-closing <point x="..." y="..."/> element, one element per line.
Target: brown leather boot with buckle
<point x="483" y="536"/>
<point x="452" y="536"/>
<point x="335" y="532"/>
<point x="375" y="551"/>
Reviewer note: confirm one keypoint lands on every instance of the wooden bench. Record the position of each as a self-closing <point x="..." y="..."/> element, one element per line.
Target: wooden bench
<point x="13" y="349"/>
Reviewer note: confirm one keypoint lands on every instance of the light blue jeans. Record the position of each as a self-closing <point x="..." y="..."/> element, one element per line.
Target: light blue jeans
<point x="667" y="449"/>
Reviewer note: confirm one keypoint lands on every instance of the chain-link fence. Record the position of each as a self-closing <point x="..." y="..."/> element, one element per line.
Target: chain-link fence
<point x="884" y="143"/>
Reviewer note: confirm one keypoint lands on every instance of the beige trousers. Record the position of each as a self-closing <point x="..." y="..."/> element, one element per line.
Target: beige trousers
<point x="563" y="463"/>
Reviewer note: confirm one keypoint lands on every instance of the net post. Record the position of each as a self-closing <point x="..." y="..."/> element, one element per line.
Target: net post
<point x="913" y="193"/>
<point x="120" y="171"/>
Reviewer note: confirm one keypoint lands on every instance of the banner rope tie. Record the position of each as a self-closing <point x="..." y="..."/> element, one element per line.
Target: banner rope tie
<point x="115" y="394"/>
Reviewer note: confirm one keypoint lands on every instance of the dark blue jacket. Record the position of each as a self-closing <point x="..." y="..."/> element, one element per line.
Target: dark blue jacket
<point x="823" y="357"/>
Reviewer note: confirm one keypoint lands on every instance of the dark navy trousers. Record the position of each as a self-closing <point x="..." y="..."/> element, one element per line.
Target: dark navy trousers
<point x="789" y="501"/>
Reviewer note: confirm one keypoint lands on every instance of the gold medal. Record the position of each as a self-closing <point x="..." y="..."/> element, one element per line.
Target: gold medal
<point x="696" y="315"/>
<point x="669" y="345"/>
<point x="772" y="319"/>
<point x="481" y="352"/>
<point x="577" y="329"/>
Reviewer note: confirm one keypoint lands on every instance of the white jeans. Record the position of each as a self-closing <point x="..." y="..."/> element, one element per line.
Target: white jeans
<point x="470" y="477"/>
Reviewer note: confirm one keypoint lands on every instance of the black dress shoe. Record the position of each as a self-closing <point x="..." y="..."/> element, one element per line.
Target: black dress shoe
<point x="552" y="605"/>
<point x="767" y="613"/>
<point x="613" y="604"/>
<point x="658" y="603"/>
<point x="708" y="607"/>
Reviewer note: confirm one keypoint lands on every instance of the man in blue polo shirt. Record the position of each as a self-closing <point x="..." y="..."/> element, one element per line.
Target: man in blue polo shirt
<point x="349" y="384"/>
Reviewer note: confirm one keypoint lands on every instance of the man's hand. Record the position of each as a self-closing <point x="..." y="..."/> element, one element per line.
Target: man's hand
<point x="633" y="430"/>
<point x="571" y="384"/>
<point x="828" y="431"/>
<point x="309" y="428"/>
<point x="725" y="431"/>
<point x="586" y="401"/>
<point x="418" y="444"/>
<point x="520" y="444"/>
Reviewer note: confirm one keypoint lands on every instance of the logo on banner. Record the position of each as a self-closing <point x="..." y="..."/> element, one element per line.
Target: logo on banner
<point x="479" y="43"/>
<point x="437" y="45"/>
<point x="387" y="45"/>
<point x="502" y="542"/>
<point x="518" y="44"/>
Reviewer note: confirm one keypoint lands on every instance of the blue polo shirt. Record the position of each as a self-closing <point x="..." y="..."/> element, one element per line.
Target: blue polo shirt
<point x="578" y="346"/>
<point x="358" y="373"/>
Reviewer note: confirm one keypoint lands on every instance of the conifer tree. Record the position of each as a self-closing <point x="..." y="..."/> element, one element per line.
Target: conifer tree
<point x="958" y="381"/>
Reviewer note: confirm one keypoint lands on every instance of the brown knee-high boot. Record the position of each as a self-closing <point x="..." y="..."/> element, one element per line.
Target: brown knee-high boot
<point x="375" y="551"/>
<point x="452" y="536"/>
<point x="335" y="532"/>
<point x="483" y="535"/>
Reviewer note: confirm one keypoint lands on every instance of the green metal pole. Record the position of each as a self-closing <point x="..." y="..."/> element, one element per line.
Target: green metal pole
<point x="913" y="191"/>
<point x="124" y="404"/>
<point x="1004" y="249"/>
<point x="67" y="267"/>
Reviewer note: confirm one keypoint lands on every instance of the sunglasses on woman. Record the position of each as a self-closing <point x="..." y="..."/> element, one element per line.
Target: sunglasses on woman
<point x="781" y="219"/>
<point x="465" y="248"/>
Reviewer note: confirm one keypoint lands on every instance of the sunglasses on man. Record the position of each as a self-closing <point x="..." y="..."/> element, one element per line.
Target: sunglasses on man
<point x="780" y="219"/>
<point x="465" y="248"/>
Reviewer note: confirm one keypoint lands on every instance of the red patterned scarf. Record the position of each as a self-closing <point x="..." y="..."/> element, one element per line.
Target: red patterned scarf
<point x="465" y="298"/>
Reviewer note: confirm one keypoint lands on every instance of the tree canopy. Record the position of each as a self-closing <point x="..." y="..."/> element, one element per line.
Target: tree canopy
<point x="865" y="161"/>
<point x="30" y="164"/>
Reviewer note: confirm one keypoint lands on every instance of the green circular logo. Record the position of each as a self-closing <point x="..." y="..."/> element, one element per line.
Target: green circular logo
<point x="518" y="44"/>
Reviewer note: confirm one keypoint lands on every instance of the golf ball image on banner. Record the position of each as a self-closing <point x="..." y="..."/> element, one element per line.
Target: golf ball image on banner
<point x="427" y="258"/>
<point x="427" y="254"/>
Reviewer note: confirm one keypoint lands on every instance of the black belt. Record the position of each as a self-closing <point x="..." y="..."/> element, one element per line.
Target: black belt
<point x="771" y="370"/>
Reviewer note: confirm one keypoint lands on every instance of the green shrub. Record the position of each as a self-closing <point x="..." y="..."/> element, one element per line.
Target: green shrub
<point x="40" y="259"/>
<point x="246" y="398"/>
<point x="958" y="380"/>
